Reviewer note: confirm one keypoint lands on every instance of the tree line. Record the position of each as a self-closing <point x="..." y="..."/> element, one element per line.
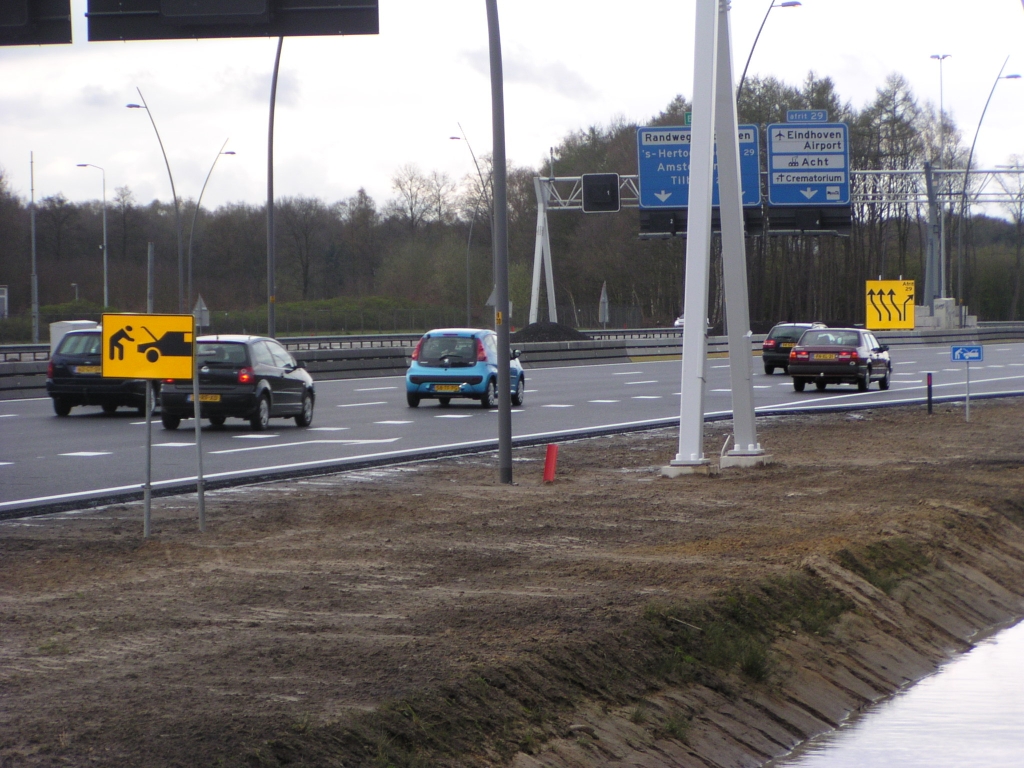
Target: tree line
<point x="416" y="247"/>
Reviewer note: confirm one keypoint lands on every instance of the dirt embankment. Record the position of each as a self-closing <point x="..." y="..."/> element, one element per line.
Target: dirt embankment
<point x="427" y="615"/>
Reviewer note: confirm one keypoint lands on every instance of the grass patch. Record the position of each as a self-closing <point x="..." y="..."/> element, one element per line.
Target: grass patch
<point x="886" y="563"/>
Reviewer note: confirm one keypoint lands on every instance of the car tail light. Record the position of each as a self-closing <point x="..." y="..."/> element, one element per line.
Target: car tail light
<point x="768" y="344"/>
<point x="848" y="356"/>
<point x="481" y="354"/>
<point x="49" y="370"/>
<point x="245" y="376"/>
<point x="799" y="355"/>
<point x="416" y="352"/>
<point x="169" y="381"/>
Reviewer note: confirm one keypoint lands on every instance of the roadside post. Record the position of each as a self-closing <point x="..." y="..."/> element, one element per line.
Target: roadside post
<point x="929" y="374"/>
<point x="965" y="353"/>
<point x="150" y="347"/>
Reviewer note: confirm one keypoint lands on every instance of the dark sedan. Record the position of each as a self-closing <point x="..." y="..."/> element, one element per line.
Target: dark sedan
<point x="780" y="340"/>
<point x="74" y="377"/>
<point x="244" y="377"/>
<point x="839" y="356"/>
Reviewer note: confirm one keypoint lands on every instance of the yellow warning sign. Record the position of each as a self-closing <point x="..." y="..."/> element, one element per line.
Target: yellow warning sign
<point x="148" y="346"/>
<point x="890" y="305"/>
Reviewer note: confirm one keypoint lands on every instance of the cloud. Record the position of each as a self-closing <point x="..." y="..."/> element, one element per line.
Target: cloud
<point x="520" y="67"/>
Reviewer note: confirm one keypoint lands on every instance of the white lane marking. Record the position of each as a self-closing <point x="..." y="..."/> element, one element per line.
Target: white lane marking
<point x="603" y="401"/>
<point x="1002" y="349"/>
<point x="7" y="415"/>
<point x="762" y="386"/>
<point x="254" y="437"/>
<point x="454" y="416"/>
<point x="954" y="370"/>
<point x="721" y="390"/>
<point x="520" y="410"/>
<point x="915" y="381"/>
<point x="374" y="389"/>
<point x="6" y="463"/>
<point x="392" y="422"/>
<point x="625" y="373"/>
<point x="906" y="362"/>
<point x="997" y="366"/>
<point x="556" y="406"/>
<point x="1017" y="365"/>
<point x="328" y="429"/>
<point x="640" y="382"/>
<point x="174" y="445"/>
<point x="719" y="366"/>
<point x="646" y="397"/>
<point x="530" y="390"/>
<point x="87" y="454"/>
<point x="309" y="442"/>
<point x="905" y="374"/>
<point x="358" y="405"/>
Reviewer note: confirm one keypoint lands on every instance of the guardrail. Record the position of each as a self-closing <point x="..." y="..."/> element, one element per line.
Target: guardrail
<point x="23" y="366"/>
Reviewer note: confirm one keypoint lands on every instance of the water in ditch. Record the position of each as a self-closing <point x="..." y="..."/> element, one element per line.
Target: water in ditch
<point x="970" y="713"/>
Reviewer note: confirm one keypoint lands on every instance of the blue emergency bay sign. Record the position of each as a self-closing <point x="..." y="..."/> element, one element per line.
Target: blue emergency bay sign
<point x="664" y="167"/>
<point x="967" y="353"/>
<point x="808" y="164"/>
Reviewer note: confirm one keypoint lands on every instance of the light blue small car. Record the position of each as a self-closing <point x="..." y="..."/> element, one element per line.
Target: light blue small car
<point x="460" y="362"/>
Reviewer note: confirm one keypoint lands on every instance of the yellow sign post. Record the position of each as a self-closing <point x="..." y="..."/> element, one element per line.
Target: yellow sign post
<point x="890" y="305"/>
<point x="147" y="346"/>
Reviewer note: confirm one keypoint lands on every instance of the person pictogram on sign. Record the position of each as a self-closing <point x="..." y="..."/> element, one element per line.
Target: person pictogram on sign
<point x="115" y="342"/>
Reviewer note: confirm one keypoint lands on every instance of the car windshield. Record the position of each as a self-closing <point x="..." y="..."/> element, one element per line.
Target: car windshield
<point x="789" y="333"/>
<point x="80" y="344"/>
<point x="222" y="353"/>
<point x="453" y="349"/>
<point x="829" y="338"/>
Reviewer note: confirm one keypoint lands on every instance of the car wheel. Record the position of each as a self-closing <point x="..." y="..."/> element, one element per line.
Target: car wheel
<point x="883" y="383"/>
<point x="261" y="418"/>
<point x="305" y="418"/>
<point x="170" y="422"/>
<point x="519" y="396"/>
<point x="444" y="401"/>
<point x="864" y="381"/>
<point x="217" y="421"/>
<point x="769" y="370"/>
<point x="490" y="395"/>
<point x="798" y="384"/>
<point x="820" y="385"/>
<point x="61" y="406"/>
<point x="412" y="400"/>
<point x="109" y="408"/>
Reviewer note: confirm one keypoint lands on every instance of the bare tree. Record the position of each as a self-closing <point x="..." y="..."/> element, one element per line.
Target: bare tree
<point x="1013" y="185"/>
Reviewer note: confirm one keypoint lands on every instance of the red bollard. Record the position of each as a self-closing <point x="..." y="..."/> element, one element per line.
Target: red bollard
<point x="550" y="462"/>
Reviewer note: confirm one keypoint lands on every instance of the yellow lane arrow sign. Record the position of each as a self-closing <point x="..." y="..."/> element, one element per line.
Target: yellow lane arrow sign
<point x="889" y="305"/>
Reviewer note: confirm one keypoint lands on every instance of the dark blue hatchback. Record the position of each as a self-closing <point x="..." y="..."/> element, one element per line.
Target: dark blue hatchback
<point x="460" y="362"/>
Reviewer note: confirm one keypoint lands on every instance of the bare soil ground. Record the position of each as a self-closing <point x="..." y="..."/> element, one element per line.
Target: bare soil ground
<point x="428" y="615"/>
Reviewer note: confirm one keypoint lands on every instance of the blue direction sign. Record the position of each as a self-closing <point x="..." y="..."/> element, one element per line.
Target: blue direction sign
<point x="664" y="167"/>
<point x="967" y="353"/>
<point x="808" y="164"/>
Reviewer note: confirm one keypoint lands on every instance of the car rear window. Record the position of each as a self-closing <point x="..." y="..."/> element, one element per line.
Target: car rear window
<point x="789" y="333"/>
<point x="222" y="353"/>
<point x="457" y="349"/>
<point x="830" y="339"/>
<point x="80" y="344"/>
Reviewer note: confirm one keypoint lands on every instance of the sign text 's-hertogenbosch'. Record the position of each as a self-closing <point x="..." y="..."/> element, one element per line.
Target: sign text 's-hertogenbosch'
<point x="809" y="164"/>
<point x="663" y="161"/>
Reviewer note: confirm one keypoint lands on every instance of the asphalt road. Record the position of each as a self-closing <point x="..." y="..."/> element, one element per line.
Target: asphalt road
<point x="47" y="461"/>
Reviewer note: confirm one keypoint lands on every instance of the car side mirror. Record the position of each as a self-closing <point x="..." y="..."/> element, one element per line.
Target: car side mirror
<point x="882" y="348"/>
<point x="515" y="354"/>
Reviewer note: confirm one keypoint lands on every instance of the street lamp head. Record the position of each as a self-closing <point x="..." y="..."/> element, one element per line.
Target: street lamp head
<point x="455" y="138"/>
<point x="788" y="4"/>
<point x="134" y="106"/>
<point x="1010" y="77"/>
<point x="941" y="56"/>
<point x="229" y="152"/>
<point x="83" y="165"/>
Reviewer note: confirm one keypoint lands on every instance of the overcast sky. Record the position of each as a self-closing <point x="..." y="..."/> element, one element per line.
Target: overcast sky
<point x="352" y="110"/>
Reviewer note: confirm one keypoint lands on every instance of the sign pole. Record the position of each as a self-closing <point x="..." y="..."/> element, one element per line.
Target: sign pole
<point x="967" y="407"/>
<point x="147" y="492"/>
<point x="199" y="431"/>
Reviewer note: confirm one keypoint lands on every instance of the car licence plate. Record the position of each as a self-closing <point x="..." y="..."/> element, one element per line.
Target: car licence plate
<point x="446" y="387"/>
<point x="88" y="369"/>
<point x="788" y="345"/>
<point x="825" y="356"/>
<point x="206" y="398"/>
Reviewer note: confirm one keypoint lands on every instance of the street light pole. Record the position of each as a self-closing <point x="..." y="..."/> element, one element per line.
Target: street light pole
<point x="940" y="57"/>
<point x="195" y="214"/>
<point x="963" y="194"/>
<point x="106" y="292"/>
<point x="743" y="77"/>
<point x="174" y="194"/>
<point x="476" y="208"/>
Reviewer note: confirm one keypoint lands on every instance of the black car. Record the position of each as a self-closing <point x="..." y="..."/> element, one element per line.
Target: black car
<point x="244" y="377"/>
<point x="839" y="356"/>
<point x="74" y="377"/>
<point x="781" y="339"/>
